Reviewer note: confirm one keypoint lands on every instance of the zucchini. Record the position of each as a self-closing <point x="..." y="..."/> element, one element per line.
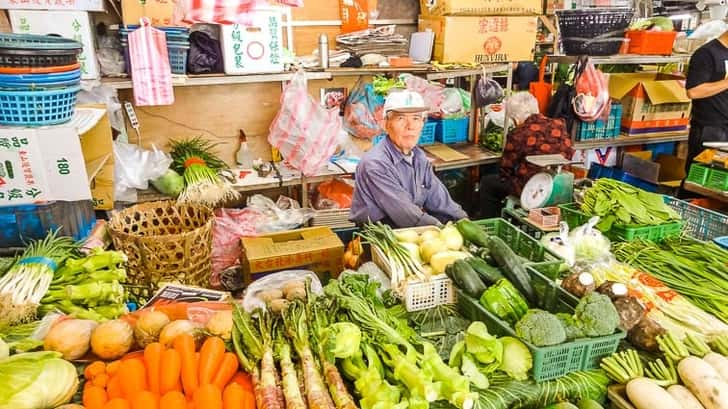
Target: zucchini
<point x="472" y="232"/>
<point x="512" y="268"/>
<point x="466" y="278"/>
<point x="489" y="274"/>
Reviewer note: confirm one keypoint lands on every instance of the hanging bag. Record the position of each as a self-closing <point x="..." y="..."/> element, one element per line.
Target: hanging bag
<point x="591" y="101"/>
<point x="151" y="75"/>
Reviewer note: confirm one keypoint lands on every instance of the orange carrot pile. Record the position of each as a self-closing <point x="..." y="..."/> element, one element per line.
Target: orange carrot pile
<point x="175" y="378"/>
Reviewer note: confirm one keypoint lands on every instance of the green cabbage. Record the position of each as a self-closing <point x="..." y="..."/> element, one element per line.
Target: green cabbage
<point x="36" y="380"/>
<point x="517" y="359"/>
<point x="170" y="184"/>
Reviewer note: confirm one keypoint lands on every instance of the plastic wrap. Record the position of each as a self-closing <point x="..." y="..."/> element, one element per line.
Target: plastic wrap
<point x="276" y="281"/>
<point x="285" y="214"/>
<point x="135" y="167"/>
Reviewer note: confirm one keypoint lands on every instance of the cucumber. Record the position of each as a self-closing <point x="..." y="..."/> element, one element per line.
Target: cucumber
<point x="472" y="232"/>
<point x="512" y="268"/>
<point x="489" y="274"/>
<point x="466" y="278"/>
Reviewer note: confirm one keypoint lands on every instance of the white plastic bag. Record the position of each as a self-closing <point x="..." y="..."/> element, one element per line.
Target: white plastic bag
<point x="560" y="244"/>
<point x="589" y="243"/>
<point x="135" y="167"/>
<point x="285" y="214"/>
<point x="276" y="281"/>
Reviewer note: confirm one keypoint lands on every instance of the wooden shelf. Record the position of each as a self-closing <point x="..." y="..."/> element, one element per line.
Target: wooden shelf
<point x="702" y="190"/>
<point x="624" y="59"/>
<point x="625" y="140"/>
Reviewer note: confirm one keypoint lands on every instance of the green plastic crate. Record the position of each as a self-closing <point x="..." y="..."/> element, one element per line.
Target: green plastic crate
<point x="621" y="232"/>
<point x="523" y="244"/>
<point x="717" y="179"/>
<point x="698" y="174"/>
<point x="548" y="362"/>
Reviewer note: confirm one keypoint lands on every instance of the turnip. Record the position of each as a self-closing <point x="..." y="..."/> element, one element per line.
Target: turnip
<point x="704" y="382"/>
<point x="686" y="399"/>
<point x="646" y="394"/>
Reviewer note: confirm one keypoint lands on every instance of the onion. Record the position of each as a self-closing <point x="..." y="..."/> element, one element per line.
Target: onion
<point x="174" y="329"/>
<point x="221" y="324"/>
<point x="71" y="338"/>
<point x="112" y="339"/>
<point x="148" y="327"/>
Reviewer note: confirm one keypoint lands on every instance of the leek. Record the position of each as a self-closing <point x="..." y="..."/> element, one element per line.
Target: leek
<point x="401" y="262"/>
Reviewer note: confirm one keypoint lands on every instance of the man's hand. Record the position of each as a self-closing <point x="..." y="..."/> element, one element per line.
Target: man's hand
<point x="708" y="89"/>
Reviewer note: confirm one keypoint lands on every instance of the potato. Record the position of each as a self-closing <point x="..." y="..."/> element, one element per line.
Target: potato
<point x="269" y="295"/>
<point x="279" y="305"/>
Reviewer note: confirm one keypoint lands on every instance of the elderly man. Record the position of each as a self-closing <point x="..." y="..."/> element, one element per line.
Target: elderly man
<point x="395" y="183"/>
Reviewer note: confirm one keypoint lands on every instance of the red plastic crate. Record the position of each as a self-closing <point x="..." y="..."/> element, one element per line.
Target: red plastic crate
<point x="651" y="42"/>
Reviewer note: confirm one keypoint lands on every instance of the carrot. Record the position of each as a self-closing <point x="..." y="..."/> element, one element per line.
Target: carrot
<point x="117" y="403"/>
<point x="243" y="379"/>
<point x="185" y="345"/>
<point x="173" y="400"/>
<point x="93" y="369"/>
<point x="113" y="387"/>
<point x="113" y="367"/>
<point x="133" y="377"/>
<point x="152" y="360"/>
<point x="94" y="397"/>
<point x="211" y="356"/>
<point x="248" y="399"/>
<point x="144" y="400"/>
<point x="233" y="396"/>
<point x="226" y="371"/>
<point x="208" y="396"/>
<point x="133" y="355"/>
<point x="190" y="405"/>
<point x="101" y="380"/>
<point x="169" y="376"/>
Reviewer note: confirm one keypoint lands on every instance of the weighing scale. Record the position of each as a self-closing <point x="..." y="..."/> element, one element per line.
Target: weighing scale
<point x="551" y="187"/>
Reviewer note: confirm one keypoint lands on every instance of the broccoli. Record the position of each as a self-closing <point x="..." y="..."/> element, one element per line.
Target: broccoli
<point x="572" y="328"/>
<point x="596" y="315"/>
<point x="540" y="328"/>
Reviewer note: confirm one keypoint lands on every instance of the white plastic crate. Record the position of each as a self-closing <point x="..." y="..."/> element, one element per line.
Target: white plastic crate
<point x="419" y="294"/>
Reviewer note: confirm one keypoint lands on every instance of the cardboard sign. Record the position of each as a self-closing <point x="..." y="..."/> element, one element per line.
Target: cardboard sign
<point x="254" y="49"/>
<point x="41" y="164"/>
<point x="87" y="5"/>
<point x="159" y="12"/>
<point x="75" y="25"/>
<point x="355" y="14"/>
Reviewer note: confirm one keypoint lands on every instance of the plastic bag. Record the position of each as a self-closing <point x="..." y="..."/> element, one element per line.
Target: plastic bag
<point x="286" y="214"/>
<point x="303" y="131"/>
<point x="364" y="112"/>
<point x="230" y="225"/>
<point x="151" y="74"/>
<point x="520" y="106"/>
<point x="103" y="94"/>
<point x="452" y="103"/>
<point x="276" y="281"/>
<point x="589" y="243"/>
<point x="135" y="167"/>
<point x="709" y="30"/>
<point x="205" y="55"/>
<point x="488" y="91"/>
<point x="110" y="54"/>
<point x="337" y="191"/>
<point x="431" y="92"/>
<point x="592" y="100"/>
<point x="560" y="244"/>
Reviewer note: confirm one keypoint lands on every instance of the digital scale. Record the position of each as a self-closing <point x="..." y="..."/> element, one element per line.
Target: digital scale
<point x="551" y="187"/>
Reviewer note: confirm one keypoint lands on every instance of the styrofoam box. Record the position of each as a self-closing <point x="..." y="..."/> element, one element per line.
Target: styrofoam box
<point x="257" y="48"/>
<point x="75" y="25"/>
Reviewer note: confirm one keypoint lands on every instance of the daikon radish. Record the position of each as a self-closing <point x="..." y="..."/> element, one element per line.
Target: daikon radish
<point x="704" y="382"/>
<point x="644" y="394"/>
<point x="684" y="397"/>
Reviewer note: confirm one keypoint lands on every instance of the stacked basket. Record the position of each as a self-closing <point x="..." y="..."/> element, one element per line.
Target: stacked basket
<point x="39" y="79"/>
<point x="597" y="31"/>
<point x="178" y="44"/>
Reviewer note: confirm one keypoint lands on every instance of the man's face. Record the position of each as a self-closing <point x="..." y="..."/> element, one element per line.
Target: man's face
<point x="404" y="128"/>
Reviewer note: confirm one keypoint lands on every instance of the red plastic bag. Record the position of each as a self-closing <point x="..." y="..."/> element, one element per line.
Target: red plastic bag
<point x="592" y="100"/>
<point x="338" y="191"/>
<point x="151" y="74"/>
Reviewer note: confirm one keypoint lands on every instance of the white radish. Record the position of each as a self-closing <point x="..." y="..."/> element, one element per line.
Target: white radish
<point x="719" y="363"/>
<point x="704" y="382"/>
<point x="645" y="394"/>
<point x="684" y="397"/>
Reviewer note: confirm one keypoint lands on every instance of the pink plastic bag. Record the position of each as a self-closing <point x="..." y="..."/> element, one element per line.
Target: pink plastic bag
<point x="151" y="75"/>
<point x="304" y="132"/>
<point x="222" y="11"/>
<point x="230" y="226"/>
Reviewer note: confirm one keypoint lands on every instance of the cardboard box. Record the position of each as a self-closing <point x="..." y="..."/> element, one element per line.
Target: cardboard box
<point x="82" y="5"/>
<point x="75" y="25"/>
<point x="318" y="249"/>
<point x="41" y="164"/>
<point x="651" y="102"/>
<point x="666" y="170"/>
<point x="257" y="48"/>
<point x="491" y="39"/>
<point x="97" y="148"/>
<point x="159" y="12"/>
<point x="437" y="8"/>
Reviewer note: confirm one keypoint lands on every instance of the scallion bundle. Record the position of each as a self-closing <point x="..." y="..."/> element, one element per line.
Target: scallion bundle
<point x="194" y="160"/>
<point x="27" y="281"/>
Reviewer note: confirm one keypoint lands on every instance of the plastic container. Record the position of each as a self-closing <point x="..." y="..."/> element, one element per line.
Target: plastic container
<point x="698" y="174"/>
<point x="622" y="232"/>
<point x="717" y="179"/>
<point x="452" y="130"/>
<point x="552" y="361"/>
<point x="700" y="223"/>
<point x="595" y="31"/>
<point x="601" y="129"/>
<point x="646" y="42"/>
<point x="28" y="50"/>
<point x="19" y="224"/>
<point x="36" y="108"/>
<point x="722" y="241"/>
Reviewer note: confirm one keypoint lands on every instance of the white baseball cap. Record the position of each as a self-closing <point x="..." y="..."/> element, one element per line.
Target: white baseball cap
<point x="404" y="101"/>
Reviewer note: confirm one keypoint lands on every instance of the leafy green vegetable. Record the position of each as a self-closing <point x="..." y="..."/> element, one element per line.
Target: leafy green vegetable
<point x="486" y="348"/>
<point x="170" y="184"/>
<point x="36" y="380"/>
<point x="342" y="339"/>
<point x="517" y="359"/>
<point x="470" y="369"/>
<point x="541" y="328"/>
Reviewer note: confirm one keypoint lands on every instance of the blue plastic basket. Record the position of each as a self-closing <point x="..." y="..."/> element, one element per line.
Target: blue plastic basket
<point x="601" y="129"/>
<point x="19" y="79"/>
<point x="19" y="224"/>
<point x="452" y="130"/>
<point x="36" y="108"/>
<point x="37" y="42"/>
<point x="176" y="52"/>
<point x="700" y="223"/>
<point x="722" y="241"/>
<point x="427" y="137"/>
<point x="39" y="87"/>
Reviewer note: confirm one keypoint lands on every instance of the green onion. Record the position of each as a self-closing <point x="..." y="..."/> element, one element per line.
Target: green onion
<point x="403" y="266"/>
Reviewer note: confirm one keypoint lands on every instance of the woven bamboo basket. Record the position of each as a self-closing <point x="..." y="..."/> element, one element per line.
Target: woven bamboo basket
<point x="165" y="242"/>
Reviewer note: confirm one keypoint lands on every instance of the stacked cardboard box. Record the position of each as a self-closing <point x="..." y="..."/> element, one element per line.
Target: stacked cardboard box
<point x="481" y="31"/>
